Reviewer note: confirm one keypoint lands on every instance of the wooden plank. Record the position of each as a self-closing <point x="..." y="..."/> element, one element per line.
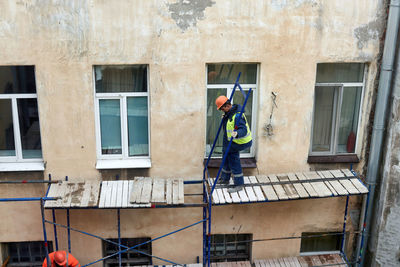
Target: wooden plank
<point x="292" y="177"/>
<point x="131" y="185"/>
<point x="243" y="196"/>
<point x="249" y="190"/>
<point x="348" y="173"/>
<point x="67" y="196"/>
<point x="296" y="262"/>
<point x="102" y="194"/>
<point x="360" y="187"/>
<point x="331" y="188"/>
<point x="235" y="195"/>
<point x="337" y="173"/>
<point x="301" y="190"/>
<point x="257" y="189"/>
<point x="87" y="188"/>
<point x="181" y="193"/>
<point x="278" y="188"/>
<point x="53" y="192"/>
<point x="114" y="192"/>
<point x="220" y="194"/>
<point x="269" y="191"/>
<point x="158" y="194"/>
<point x="125" y="192"/>
<point x="227" y="196"/>
<point x="312" y="175"/>
<point x="108" y="202"/>
<point x="168" y="191"/>
<point x="322" y="189"/>
<point x="289" y="188"/>
<point x="339" y="188"/>
<point x="300" y="176"/>
<point x="214" y="194"/>
<point x="310" y="189"/>
<point x="146" y="191"/>
<point x="137" y="188"/>
<point x="120" y="195"/>
<point x="349" y="186"/>
<point x="175" y="191"/>
<point x="327" y="174"/>
<point x="94" y="194"/>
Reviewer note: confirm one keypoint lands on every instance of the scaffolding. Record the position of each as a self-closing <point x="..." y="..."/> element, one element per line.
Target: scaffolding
<point x="206" y="205"/>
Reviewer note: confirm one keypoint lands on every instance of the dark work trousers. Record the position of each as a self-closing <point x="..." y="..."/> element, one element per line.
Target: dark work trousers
<point x="232" y="163"/>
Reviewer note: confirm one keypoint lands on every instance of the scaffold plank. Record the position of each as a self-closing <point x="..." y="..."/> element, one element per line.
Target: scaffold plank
<point x="181" y="194"/>
<point x="360" y="187"/>
<point x="125" y="192"/>
<point x="168" y="191"/>
<point x="146" y="191"/>
<point x="278" y="188"/>
<point x="120" y="195"/>
<point x="136" y="189"/>
<point x="349" y="186"/>
<point x="289" y="188"/>
<point x="301" y="190"/>
<point x="243" y="196"/>
<point x="214" y="193"/>
<point x="158" y="194"/>
<point x="235" y="195"/>
<point x="249" y="189"/>
<point x="257" y="189"/>
<point x="227" y="196"/>
<point x="268" y="189"/>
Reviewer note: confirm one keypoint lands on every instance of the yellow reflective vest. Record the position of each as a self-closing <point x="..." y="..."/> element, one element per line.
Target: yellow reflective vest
<point x="230" y="127"/>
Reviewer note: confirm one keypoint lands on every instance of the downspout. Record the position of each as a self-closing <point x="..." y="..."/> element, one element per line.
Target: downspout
<point x="380" y="118"/>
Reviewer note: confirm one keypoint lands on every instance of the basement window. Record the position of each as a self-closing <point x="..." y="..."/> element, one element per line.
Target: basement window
<point x="26" y="253"/>
<point x="320" y="242"/>
<point x="221" y="79"/>
<point x="230" y="247"/>
<point x="337" y="107"/>
<point x="122" y="116"/>
<point x="131" y="257"/>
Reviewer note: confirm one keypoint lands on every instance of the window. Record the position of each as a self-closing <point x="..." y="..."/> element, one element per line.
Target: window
<point x="122" y="116"/>
<point x="221" y="79"/>
<point x="131" y="257"/>
<point x="26" y="253"/>
<point x="337" y="103"/>
<point x="230" y="247"/>
<point x="329" y="241"/>
<point x="20" y="143"/>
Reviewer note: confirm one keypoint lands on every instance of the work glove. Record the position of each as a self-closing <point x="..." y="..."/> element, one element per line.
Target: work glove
<point x="234" y="134"/>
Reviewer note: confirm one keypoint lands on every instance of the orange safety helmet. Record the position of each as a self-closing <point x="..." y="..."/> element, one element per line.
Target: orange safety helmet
<point x="59" y="258"/>
<point x="220" y="101"/>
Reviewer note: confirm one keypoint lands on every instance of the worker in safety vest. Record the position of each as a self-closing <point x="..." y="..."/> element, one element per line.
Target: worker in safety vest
<point x="60" y="258"/>
<point x="238" y="129"/>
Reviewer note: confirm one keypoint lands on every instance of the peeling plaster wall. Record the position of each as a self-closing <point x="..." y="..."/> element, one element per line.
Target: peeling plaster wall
<point x="177" y="38"/>
<point x="387" y="250"/>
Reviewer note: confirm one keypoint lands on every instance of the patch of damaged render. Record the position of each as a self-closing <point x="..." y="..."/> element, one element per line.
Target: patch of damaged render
<point x="367" y="32"/>
<point x="186" y="13"/>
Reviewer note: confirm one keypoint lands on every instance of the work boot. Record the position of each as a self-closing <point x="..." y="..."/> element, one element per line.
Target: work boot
<point x="235" y="189"/>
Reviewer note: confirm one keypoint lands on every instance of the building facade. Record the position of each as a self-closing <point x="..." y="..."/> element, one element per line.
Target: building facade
<point x="96" y="89"/>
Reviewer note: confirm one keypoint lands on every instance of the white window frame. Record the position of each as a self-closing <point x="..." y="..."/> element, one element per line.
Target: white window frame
<point x="123" y="160"/>
<point x="229" y="88"/>
<point x="17" y="162"/>
<point x="338" y="97"/>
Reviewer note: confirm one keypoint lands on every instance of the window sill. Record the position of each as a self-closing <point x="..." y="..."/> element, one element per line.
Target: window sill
<point x="123" y="164"/>
<point x="245" y="162"/>
<point x="21" y="166"/>
<point x="350" y="158"/>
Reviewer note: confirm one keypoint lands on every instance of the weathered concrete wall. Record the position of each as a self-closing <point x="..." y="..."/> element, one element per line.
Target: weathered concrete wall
<point x="387" y="240"/>
<point x="177" y="38"/>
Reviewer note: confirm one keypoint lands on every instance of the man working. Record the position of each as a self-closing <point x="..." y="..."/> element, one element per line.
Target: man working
<point x="238" y="129"/>
<point x="59" y="259"/>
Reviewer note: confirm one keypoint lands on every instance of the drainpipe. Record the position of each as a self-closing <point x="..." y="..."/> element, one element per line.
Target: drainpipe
<point x="380" y="118"/>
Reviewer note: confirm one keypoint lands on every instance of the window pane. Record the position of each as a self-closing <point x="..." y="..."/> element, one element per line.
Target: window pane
<point x="29" y="128"/>
<point x="323" y="112"/>
<point x="17" y="79"/>
<point x="349" y="119"/>
<point x="227" y="73"/>
<point x="340" y="72"/>
<point x="309" y="243"/>
<point x="213" y="121"/>
<point x="110" y="126"/>
<point x="121" y="78"/>
<point x="138" y="126"/>
<point x="7" y="145"/>
<point x="238" y="98"/>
